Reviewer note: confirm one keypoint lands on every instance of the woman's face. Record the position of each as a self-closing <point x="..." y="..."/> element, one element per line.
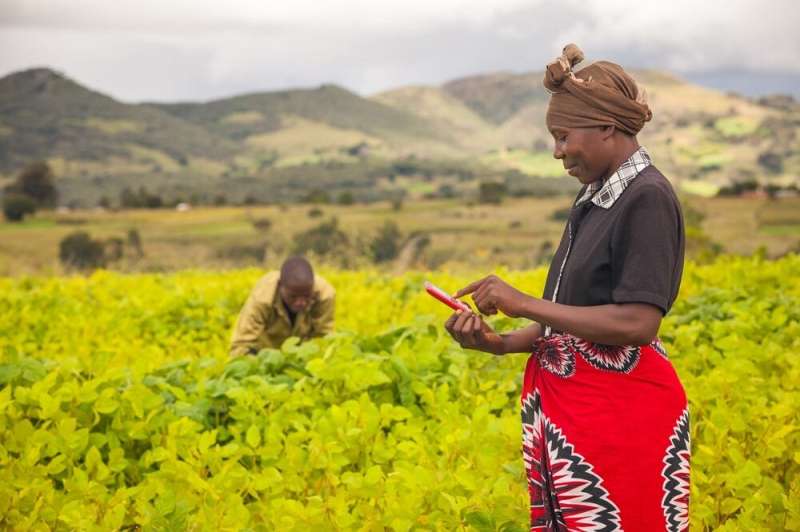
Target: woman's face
<point x="584" y="151"/>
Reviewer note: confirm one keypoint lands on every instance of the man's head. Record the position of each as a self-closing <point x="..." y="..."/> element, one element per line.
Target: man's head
<point x="593" y="115"/>
<point x="296" y="285"/>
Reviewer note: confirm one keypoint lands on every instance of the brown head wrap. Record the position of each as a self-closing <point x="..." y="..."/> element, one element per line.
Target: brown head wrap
<point x="602" y="94"/>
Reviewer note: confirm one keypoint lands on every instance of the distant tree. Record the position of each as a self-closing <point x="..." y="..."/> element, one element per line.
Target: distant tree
<point x="38" y="183"/>
<point x="141" y="198"/>
<point x="104" y="202"/>
<point x="771" y="161"/>
<point x="345" y="198"/>
<point x="386" y="244"/>
<point x="220" y="199"/>
<point x="315" y="212"/>
<point x="262" y="224"/>
<point x="317" y="196"/>
<point x="135" y="242"/>
<point x="492" y="192"/>
<point x="738" y="188"/>
<point x="322" y="239"/>
<point x="78" y="250"/>
<point x="407" y="166"/>
<point x="359" y="150"/>
<point x="128" y="199"/>
<point x="150" y="200"/>
<point x="17" y="206"/>
<point x="446" y="191"/>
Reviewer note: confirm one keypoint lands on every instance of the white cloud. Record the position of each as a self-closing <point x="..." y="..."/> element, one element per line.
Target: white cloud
<point x="199" y="49"/>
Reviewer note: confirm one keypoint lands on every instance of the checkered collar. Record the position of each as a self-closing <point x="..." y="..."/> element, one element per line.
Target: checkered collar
<point x="605" y="193"/>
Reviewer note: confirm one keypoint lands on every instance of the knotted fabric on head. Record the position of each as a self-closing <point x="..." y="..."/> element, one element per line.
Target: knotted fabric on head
<point x="602" y="94"/>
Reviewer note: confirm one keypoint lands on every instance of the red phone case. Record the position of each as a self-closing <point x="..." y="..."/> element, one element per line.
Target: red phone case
<point x="445" y="298"/>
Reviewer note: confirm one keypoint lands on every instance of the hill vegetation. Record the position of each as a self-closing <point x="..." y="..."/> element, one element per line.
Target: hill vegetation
<point x="251" y="146"/>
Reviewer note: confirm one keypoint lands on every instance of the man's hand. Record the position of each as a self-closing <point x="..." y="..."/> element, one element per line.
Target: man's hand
<point x="491" y="294"/>
<point x="471" y="332"/>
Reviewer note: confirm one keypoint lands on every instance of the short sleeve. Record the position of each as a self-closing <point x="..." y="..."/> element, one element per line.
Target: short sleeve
<point x="647" y="249"/>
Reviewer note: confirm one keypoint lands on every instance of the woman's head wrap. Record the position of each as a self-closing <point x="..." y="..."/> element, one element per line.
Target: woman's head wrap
<point x="602" y="94"/>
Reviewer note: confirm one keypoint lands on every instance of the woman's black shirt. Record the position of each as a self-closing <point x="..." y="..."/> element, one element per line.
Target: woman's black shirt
<point x="631" y="252"/>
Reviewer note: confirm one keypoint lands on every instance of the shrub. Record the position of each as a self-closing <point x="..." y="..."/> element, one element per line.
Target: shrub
<point x="317" y="196"/>
<point x="135" y="242"/>
<point x="141" y="198"/>
<point x="386" y="244"/>
<point x="38" y="183"/>
<point x="492" y="192"/>
<point x="771" y="161"/>
<point x="345" y="198"/>
<point x="17" y="206"/>
<point x="78" y="250"/>
<point x="322" y="239"/>
<point x="262" y="224"/>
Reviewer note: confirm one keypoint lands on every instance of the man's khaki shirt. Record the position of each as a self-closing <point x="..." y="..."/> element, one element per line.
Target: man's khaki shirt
<point x="264" y="320"/>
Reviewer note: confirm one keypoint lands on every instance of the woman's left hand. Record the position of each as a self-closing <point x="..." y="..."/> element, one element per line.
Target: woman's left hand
<point x="491" y="294"/>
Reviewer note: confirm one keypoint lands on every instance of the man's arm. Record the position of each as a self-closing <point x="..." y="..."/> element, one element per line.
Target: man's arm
<point x="322" y="316"/>
<point x="249" y="327"/>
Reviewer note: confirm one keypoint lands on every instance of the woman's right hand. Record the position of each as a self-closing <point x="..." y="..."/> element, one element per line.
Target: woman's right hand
<point x="471" y="332"/>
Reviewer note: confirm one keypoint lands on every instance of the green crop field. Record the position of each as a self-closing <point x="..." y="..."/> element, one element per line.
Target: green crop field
<point x="119" y="407"/>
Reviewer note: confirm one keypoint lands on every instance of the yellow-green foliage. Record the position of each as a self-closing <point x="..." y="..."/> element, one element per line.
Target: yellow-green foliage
<point x="119" y="406"/>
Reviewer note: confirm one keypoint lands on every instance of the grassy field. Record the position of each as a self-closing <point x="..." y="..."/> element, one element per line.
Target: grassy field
<point x="514" y="234"/>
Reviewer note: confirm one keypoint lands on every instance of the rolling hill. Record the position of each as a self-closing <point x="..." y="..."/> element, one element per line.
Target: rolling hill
<point x="702" y="138"/>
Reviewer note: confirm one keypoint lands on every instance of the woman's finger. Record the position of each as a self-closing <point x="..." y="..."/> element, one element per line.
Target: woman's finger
<point x="469" y="288"/>
<point x="486" y="304"/>
<point x="458" y="326"/>
<point x="476" y="328"/>
<point x="471" y="329"/>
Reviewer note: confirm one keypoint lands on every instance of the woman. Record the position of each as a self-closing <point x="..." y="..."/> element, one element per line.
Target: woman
<point x="605" y="424"/>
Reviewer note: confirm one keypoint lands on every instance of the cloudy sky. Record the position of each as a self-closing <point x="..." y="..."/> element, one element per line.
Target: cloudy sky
<point x="169" y="50"/>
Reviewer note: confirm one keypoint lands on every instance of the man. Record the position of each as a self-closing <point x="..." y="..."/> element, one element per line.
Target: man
<point x="291" y="302"/>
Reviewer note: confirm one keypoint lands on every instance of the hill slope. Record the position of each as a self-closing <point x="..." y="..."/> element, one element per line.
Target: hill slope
<point x="45" y="115"/>
<point x="702" y="138"/>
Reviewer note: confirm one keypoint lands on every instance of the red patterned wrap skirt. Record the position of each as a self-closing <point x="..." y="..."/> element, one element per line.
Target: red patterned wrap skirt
<point x="605" y="437"/>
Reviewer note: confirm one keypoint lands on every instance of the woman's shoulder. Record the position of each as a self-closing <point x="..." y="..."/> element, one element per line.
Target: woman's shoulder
<point x="651" y="182"/>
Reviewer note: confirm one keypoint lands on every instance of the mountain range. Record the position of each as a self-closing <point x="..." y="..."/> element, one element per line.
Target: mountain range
<point x="489" y="124"/>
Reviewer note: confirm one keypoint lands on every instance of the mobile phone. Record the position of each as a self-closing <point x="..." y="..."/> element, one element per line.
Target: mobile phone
<point x="445" y="298"/>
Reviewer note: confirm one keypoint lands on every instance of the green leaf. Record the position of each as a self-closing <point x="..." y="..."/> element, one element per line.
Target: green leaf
<point x="730" y="505"/>
<point x="480" y="521"/>
<point x="253" y="437"/>
<point x="107" y="402"/>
